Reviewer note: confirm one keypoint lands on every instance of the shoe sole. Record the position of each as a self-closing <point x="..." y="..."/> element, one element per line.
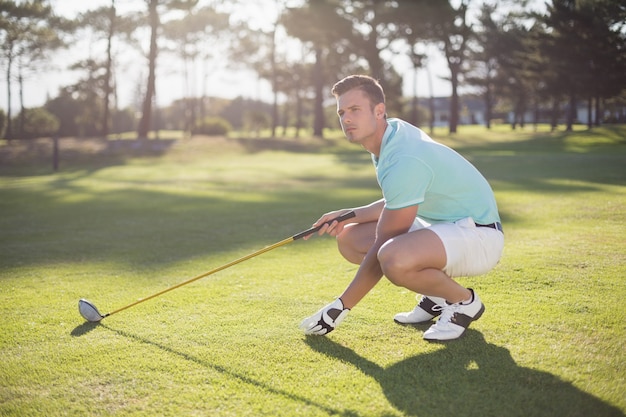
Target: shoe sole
<point x="480" y="312"/>
<point x="413" y="323"/>
<point x="476" y="317"/>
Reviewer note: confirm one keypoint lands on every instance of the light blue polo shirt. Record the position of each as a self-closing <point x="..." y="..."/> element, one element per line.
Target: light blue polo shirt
<point x="412" y="169"/>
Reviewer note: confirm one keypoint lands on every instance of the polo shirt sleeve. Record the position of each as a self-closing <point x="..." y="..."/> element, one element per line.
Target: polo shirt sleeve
<point x="405" y="181"/>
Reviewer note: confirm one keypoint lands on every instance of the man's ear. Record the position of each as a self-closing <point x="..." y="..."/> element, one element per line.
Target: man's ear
<point x="380" y="110"/>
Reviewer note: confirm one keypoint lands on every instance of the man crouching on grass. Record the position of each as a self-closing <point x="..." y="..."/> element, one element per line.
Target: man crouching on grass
<point x="438" y="219"/>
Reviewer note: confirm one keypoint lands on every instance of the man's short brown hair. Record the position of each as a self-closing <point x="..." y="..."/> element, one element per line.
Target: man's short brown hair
<point x="365" y="83"/>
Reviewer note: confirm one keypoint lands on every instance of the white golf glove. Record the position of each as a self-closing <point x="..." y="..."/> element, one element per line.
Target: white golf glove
<point x="325" y="320"/>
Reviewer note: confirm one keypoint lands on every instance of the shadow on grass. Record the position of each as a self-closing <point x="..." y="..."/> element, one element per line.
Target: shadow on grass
<point x="564" y="173"/>
<point x="146" y="228"/>
<point x="255" y="145"/>
<point x="36" y="156"/>
<point x="549" y="162"/>
<point x="470" y="377"/>
<point x="607" y="139"/>
<point x="224" y="371"/>
<point x="83" y="329"/>
<point x="146" y="223"/>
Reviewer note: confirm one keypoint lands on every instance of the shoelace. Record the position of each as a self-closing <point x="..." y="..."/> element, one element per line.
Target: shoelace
<point x="447" y="312"/>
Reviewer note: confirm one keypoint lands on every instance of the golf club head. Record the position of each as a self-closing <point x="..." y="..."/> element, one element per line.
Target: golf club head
<point x="89" y="311"/>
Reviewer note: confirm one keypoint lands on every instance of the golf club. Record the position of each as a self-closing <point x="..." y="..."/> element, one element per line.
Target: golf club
<point x="90" y="313"/>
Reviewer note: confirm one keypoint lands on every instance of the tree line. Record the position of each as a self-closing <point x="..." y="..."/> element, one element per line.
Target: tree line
<point x="524" y="62"/>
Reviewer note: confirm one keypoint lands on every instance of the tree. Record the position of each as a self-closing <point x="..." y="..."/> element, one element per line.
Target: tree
<point x="605" y="25"/>
<point x="413" y="29"/>
<point x="515" y="79"/>
<point x="325" y="34"/>
<point x="79" y="106"/>
<point x="374" y="28"/>
<point x="3" y="118"/>
<point x="104" y="21"/>
<point x="39" y="123"/>
<point x="450" y="29"/>
<point x="193" y="38"/>
<point x="484" y="60"/>
<point x="28" y="31"/>
<point x="454" y="31"/>
<point x="585" y="41"/>
<point x="146" y="109"/>
<point x="294" y="80"/>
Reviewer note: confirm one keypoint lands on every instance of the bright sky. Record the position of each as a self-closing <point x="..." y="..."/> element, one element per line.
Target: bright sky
<point x="221" y="81"/>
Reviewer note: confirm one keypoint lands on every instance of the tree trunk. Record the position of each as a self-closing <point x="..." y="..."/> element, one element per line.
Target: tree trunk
<point x="431" y="102"/>
<point x="415" y="101"/>
<point x="9" y="132"/>
<point x="571" y="113"/>
<point x="488" y="106"/>
<point x="20" y="78"/>
<point x="554" y="114"/>
<point x="285" y="117"/>
<point x="274" y="85"/>
<point x="107" y="77"/>
<point x="298" y="112"/>
<point x="144" y="123"/>
<point x="454" y="101"/>
<point x="318" y="85"/>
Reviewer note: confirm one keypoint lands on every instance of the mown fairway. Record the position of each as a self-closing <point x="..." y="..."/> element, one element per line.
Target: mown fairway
<point x="113" y="228"/>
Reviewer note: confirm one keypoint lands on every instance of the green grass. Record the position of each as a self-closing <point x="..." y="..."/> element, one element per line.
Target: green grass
<point x="114" y="227"/>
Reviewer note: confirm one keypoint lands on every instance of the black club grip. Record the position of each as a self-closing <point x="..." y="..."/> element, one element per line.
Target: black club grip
<point x="312" y="230"/>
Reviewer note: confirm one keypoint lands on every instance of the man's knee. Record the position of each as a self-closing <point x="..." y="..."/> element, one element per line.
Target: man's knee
<point x="394" y="265"/>
<point x="347" y="246"/>
<point x="404" y="257"/>
<point x="354" y="241"/>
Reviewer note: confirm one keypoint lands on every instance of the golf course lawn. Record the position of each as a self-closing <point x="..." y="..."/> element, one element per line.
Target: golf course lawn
<point x="120" y="221"/>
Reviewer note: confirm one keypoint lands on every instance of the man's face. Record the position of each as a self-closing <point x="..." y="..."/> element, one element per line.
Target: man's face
<point x="358" y="119"/>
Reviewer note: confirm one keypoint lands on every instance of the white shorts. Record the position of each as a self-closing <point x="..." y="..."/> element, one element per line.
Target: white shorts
<point x="470" y="250"/>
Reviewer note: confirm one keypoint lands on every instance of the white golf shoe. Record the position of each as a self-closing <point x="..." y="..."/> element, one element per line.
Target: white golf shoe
<point x="454" y="319"/>
<point x="425" y="310"/>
